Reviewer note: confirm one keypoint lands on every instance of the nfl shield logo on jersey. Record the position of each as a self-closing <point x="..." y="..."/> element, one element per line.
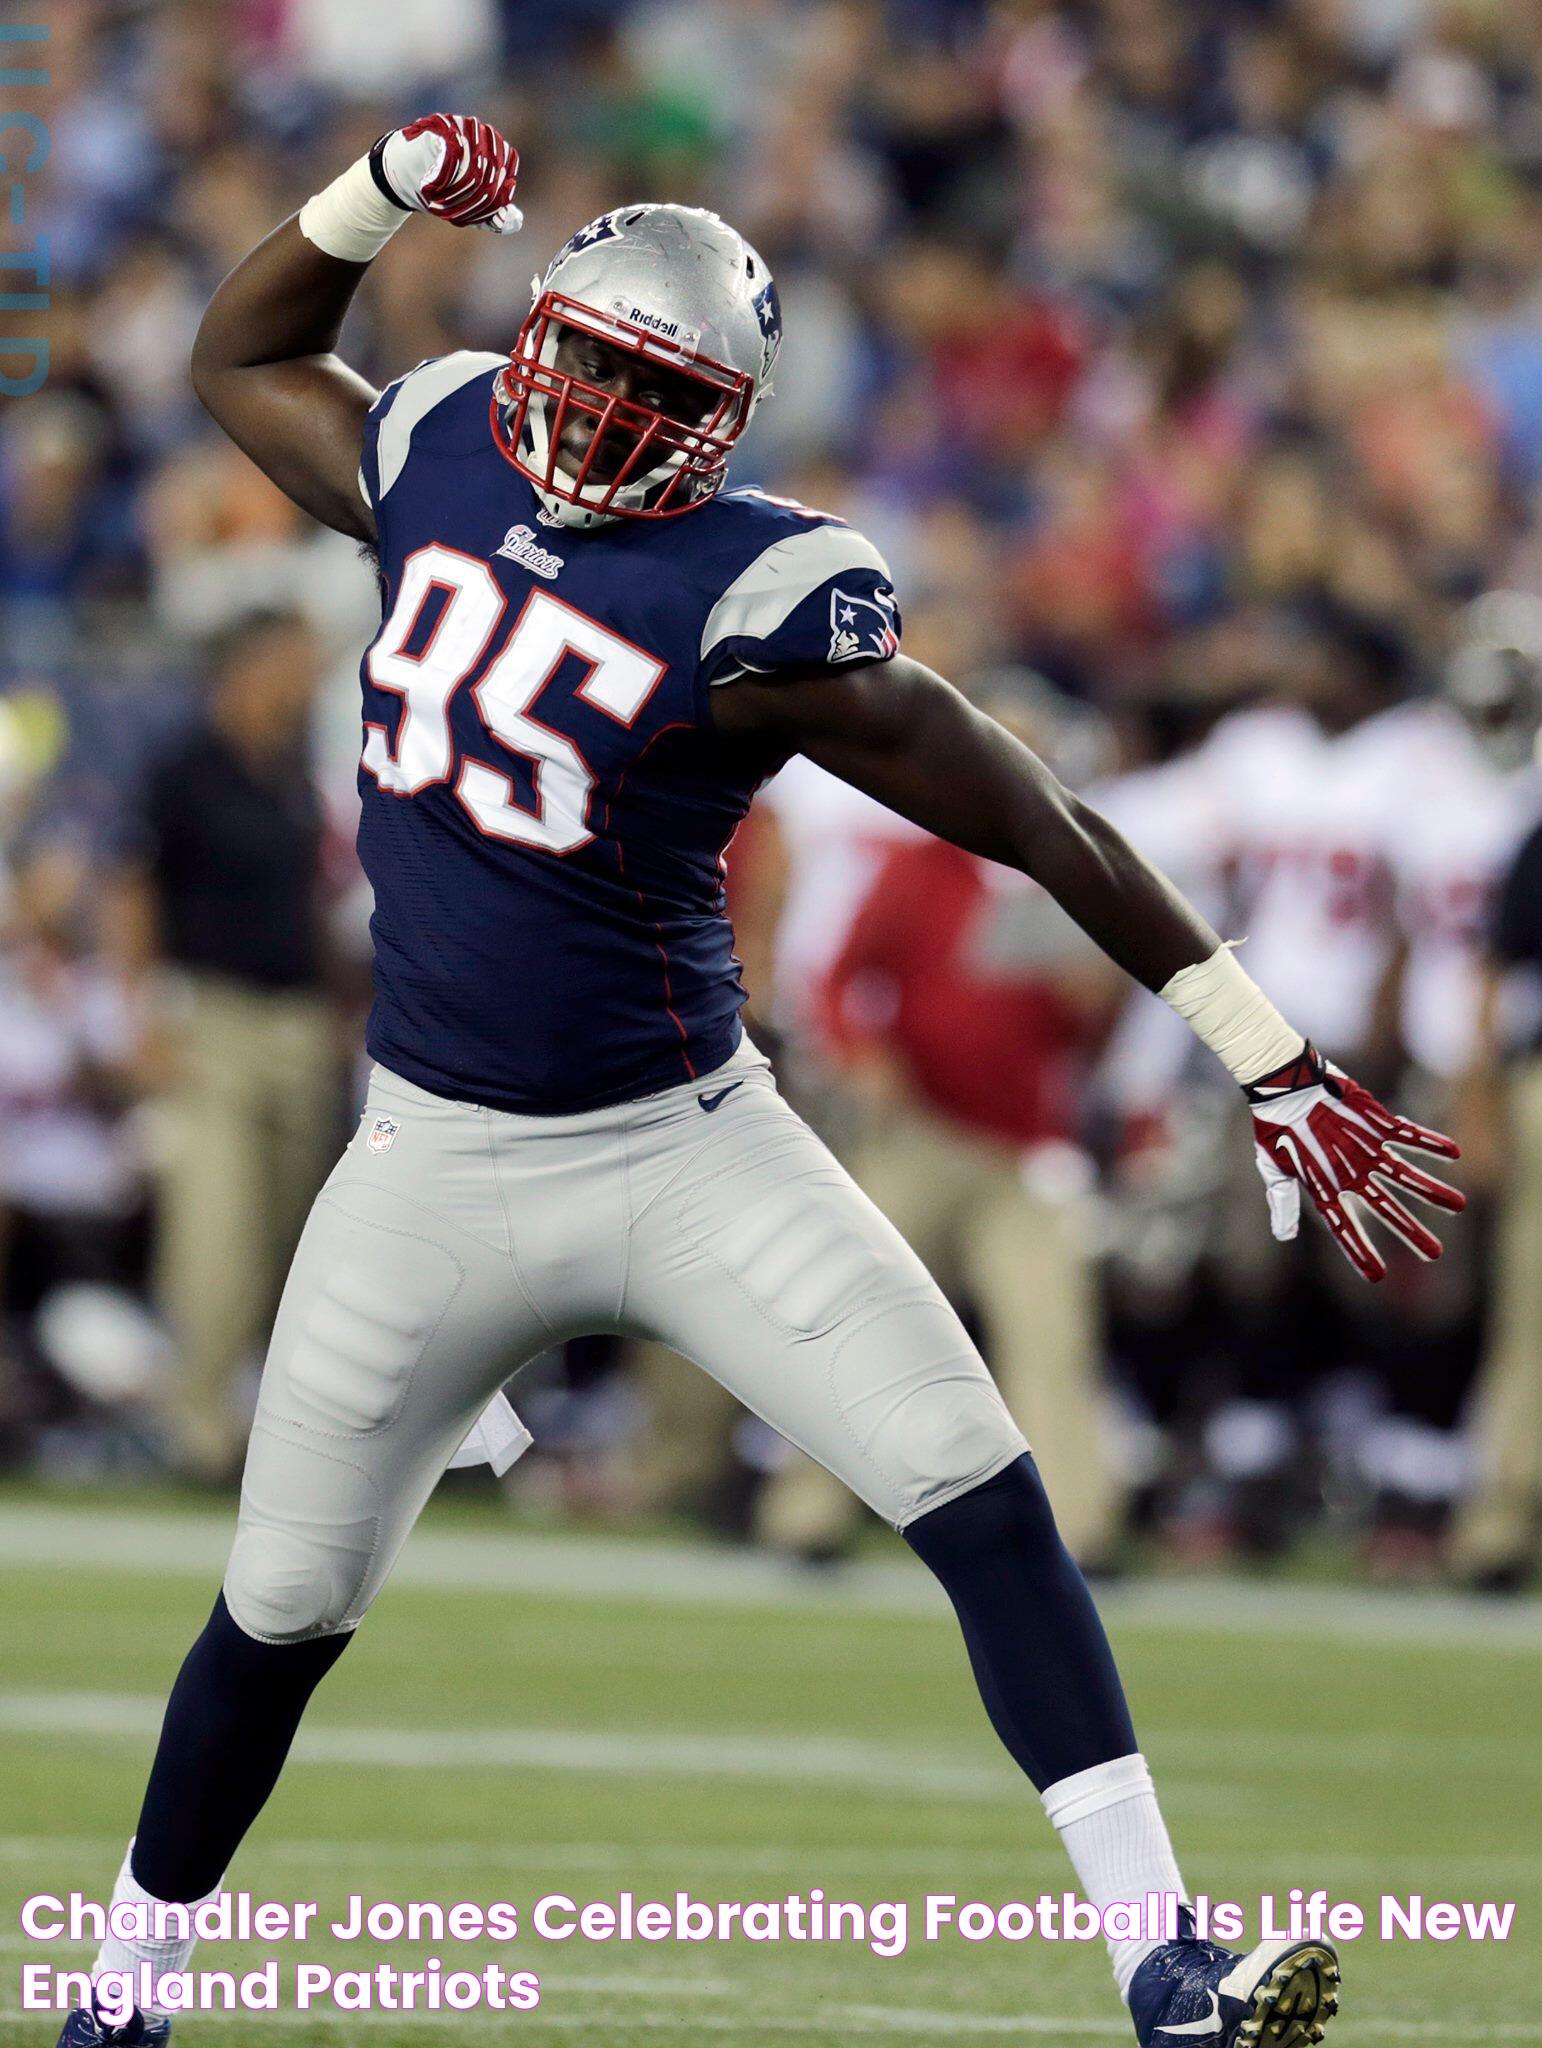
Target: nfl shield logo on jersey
<point x="862" y="628"/>
<point x="382" y="1134"/>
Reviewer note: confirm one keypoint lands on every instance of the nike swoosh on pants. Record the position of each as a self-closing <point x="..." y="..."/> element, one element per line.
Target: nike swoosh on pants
<point x="712" y="1102"/>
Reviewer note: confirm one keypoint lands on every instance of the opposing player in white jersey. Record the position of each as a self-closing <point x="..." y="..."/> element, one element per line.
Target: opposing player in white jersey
<point x="1473" y="791"/>
<point x="1307" y="793"/>
<point x="1281" y="819"/>
<point x="1496" y="681"/>
<point x="1308" y="816"/>
<point x="591" y="653"/>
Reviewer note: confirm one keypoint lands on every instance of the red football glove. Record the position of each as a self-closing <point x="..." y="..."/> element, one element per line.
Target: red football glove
<point x="1317" y="1129"/>
<point x="452" y="166"/>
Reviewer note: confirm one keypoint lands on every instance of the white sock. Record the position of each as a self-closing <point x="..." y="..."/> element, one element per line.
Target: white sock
<point x="163" y="1953"/>
<point x="1115" y="1836"/>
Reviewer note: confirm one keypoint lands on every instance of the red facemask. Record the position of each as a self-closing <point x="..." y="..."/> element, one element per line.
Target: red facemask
<point x="686" y="460"/>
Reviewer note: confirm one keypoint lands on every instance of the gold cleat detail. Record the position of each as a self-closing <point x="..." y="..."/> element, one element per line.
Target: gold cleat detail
<point x="1294" y="2003"/>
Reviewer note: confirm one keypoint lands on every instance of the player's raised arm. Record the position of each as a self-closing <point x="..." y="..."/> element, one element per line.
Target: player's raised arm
<point x="265" y="363"/>
<point x="906" y="737"/>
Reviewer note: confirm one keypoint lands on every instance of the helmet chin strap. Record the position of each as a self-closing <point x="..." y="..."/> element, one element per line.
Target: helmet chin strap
<point x="557" y="511"/>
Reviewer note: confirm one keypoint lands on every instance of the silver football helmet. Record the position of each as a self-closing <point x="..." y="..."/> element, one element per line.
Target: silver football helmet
<point x="692" y="309"/>
<point x="1494" y="676"/>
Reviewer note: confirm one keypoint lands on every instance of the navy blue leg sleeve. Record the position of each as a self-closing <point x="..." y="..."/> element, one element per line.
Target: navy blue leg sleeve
<point x="229" y="1722"/>
<point x="1041" y="1660"/>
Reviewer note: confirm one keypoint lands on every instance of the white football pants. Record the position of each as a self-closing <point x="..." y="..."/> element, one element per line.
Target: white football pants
<point x="453" y="1243"/>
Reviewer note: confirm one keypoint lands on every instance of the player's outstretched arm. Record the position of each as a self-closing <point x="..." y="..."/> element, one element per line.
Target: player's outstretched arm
<point x="265" y="362"/>
<point x="908" y="738"/>
<point x="912" y="741"/>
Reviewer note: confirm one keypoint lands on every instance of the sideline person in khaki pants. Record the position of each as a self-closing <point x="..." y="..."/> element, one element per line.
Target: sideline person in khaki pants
<point x="249" y="1131"/>
<point x="1495" y="1538"/>
<point x="217" y="925"/>
<point x="1010" y="1239"/>
<point x="967" y="1009"/>
<point x="1496" y="1542"/>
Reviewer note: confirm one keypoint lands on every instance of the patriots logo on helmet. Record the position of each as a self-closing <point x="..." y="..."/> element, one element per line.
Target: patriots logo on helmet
<point x="862" y="628"/>
<point x="602" y="230"/>
<point x="768" y="311"/>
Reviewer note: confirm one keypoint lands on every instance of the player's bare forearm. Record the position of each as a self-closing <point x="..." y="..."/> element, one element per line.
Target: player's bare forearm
<point x="265" y="367"/>
<point x="265" y="362"/>
<point x="906" y="737"/>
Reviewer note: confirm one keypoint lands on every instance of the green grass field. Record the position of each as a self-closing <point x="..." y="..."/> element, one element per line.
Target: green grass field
<point x="526" y="1714"/>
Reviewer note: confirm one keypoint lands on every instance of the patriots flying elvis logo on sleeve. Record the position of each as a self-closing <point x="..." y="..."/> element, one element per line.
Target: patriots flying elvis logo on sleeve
<point x="862" y="628"/>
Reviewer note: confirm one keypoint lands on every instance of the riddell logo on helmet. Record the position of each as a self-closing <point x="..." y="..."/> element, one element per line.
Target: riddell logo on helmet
<point x="655" y="322"/>
<point x="686" y="339"/>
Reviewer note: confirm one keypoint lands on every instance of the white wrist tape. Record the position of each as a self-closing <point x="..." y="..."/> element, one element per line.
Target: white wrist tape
<point x="1227" y="1009"/>
<point x="352" y="219"/>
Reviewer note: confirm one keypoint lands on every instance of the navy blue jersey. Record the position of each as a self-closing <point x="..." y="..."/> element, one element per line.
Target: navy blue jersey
<point x="545" y="805"/>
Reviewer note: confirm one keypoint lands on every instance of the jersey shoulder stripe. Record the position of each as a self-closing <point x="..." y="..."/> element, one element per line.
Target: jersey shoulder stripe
<point x="764" y="596"/>
<point x="403" y="406"/>
<point x="794" y="505"/>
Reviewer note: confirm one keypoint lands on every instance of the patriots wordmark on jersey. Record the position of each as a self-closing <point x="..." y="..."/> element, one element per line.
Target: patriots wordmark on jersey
<point x="545" y="804"/>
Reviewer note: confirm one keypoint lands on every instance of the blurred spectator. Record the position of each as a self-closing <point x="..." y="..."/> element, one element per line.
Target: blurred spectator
<point x="355" y="50"/>
<point x="1314" y="790"/>
<point x="834" y="838"/>
<point x="218" y="928"/>
<point x="1495" y="1543"/>
<point x="71" y="1176"/>
<point x="965" y="1009"/>
<point x="1474" y="785"/>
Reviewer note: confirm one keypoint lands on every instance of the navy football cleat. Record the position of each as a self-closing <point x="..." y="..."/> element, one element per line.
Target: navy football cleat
<point x="84" y="2029"/>
<point x="1282" y="1995"/>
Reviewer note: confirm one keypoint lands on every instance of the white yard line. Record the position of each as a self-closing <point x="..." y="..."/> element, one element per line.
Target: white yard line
<point x="536" y="1855"/>
<point x="848" y="1761"/>
<point x="657" y="1573"/>
<point x="779" y="1757"/>
<point x="1006" y="1867"/>
<point x="1337" y="1751"/>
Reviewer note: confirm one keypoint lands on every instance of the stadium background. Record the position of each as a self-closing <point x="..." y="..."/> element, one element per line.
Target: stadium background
<point x="1184" y="360"/>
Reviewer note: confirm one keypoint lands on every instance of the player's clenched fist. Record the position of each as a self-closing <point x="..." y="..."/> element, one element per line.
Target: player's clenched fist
<point x="1316" y="1128"/>
<point x="453" y="166"/>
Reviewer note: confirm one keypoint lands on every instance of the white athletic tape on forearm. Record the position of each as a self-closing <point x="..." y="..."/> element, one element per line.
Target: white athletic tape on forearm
<point x="1225" y="1007"/>
<point x="352" y="219"/>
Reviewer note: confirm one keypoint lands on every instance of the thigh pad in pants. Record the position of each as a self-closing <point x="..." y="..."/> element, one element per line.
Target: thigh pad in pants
<point x="764" y="1262"/>
<point x="393" y="1332"/>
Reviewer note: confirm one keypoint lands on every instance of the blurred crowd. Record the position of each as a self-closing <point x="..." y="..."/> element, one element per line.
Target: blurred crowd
<point x="1184" y="359"/>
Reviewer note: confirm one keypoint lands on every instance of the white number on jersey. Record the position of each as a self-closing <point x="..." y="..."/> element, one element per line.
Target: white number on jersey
<point x="473" y="605"/>
<point x="620" y="681"/>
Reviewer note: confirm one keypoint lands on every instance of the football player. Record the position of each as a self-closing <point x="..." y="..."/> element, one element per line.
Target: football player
<point x="590" y="655"/>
